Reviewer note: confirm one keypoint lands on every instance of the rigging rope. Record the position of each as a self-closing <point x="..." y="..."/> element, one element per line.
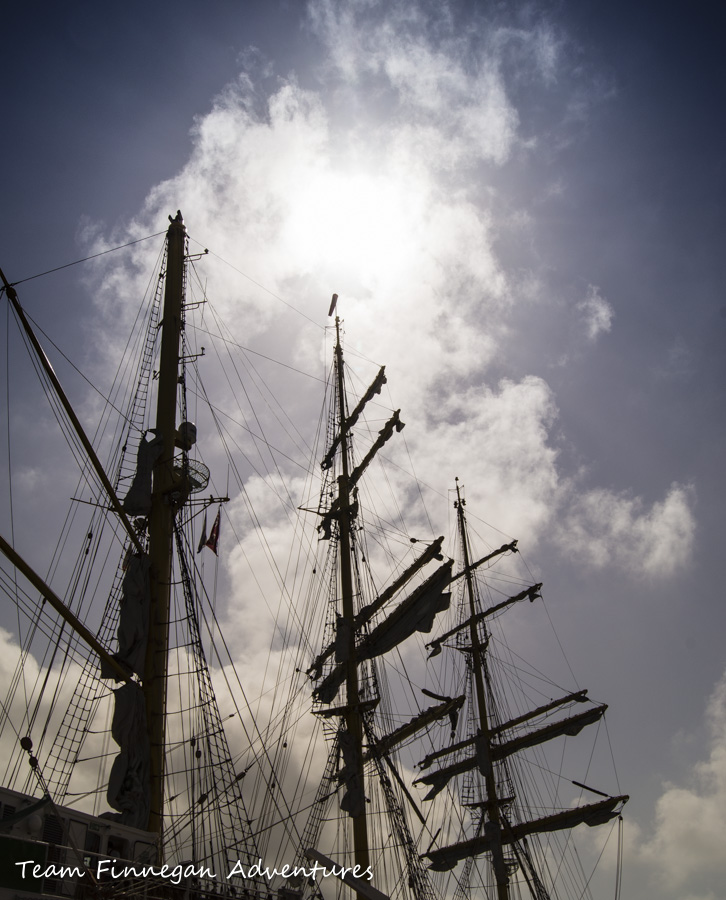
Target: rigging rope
<point x="262" y="286"/>
<point x="85" y="259"/>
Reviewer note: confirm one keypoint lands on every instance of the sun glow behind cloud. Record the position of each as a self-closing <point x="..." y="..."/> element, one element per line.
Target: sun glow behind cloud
<point x="365" y="224"/>
<point x="415" y="167"/>
<point x="399" y="212"/>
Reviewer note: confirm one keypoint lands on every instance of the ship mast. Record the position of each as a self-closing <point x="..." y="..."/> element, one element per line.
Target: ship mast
<point x="161" y="523"/>
<point x="353" y="717"/>
<point x="493" y="826"/>
<point x="360" y="634"/>
<point x="161" y="517"/>
<point x="495" y="741"/>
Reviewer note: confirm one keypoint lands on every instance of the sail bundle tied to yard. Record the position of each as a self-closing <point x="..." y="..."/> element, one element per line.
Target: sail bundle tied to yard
<point x="133" y="627"/>
<point x="138" y="499"/>
<point x="499" y="750"/>
<point x="591" y="814"/>
<point x="416" y="613"/>
<point x="128" y="785"/>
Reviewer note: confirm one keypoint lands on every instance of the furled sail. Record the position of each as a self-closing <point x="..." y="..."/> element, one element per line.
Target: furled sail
<point x="133" y="624"/>
<point x="577" y="697"/>
<point x="374" y="389"/>
<point x="416" y="613"/>
<point x="433" y="551"/>
<point x="353" y="800"/>
<point x="394" y="423"/>
<point x="531" y="593"/>
<point x="138" y="500"/>
<point x="510" y="547"/>
<point x="387" y="743"/>
<point x="570" y="726"/>
<point x="134" y="614"/>
<point x="128" y="784"/>
<point x="328" y="688"/>
<point x="591" y="814"/>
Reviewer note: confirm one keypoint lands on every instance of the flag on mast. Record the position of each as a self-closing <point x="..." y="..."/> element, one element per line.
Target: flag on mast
<point x="203" y="538"/>
<point x="214" y="533"/>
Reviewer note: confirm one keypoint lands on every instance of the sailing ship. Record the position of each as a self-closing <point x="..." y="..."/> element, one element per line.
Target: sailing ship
<point x="474" y="832"/>
<point x="176" y="816"/>
<point x="359" y="790"/>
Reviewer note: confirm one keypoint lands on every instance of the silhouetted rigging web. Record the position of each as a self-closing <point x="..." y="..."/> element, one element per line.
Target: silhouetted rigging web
<point x="252" y="739"/>
<point x="285" y="718"/>
<point x="385" y="536"/>
<point x="287" y="504"/>
<point x="84" y="704"/>
<point x="217" y="637"/>
<point x="120" y="383"/>
<point x="76" y="588"/>
<point x="302" y="627"/>
<point x="258" y="433"/>
<point x="75" y="727"/>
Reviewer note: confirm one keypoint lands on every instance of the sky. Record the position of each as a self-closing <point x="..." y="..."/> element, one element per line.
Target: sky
<point x="521" y="206"/>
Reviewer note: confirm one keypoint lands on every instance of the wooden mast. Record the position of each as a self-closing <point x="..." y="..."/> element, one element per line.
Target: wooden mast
<point x="477" y="661"/>
<point x="161" y="524"/>
<point x="353" y="718"/>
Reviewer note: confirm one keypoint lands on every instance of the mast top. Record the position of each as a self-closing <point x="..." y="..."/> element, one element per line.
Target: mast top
<point x="459" y="500"/>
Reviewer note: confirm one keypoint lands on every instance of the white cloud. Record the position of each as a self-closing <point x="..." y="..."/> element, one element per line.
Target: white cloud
<point x="685" y="848"/>
<point x="597" y="313"/>
<point x="499" y="443"/>
<point x="604" y="528"/>
<point x="496" y="442"/>
<point x="439" y="74"/>
<point x="377" y="211"/>
<point x="305" y="206"/>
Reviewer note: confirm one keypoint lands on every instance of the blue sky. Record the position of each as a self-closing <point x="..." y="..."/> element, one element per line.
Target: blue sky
<point x="533" y="193"/>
